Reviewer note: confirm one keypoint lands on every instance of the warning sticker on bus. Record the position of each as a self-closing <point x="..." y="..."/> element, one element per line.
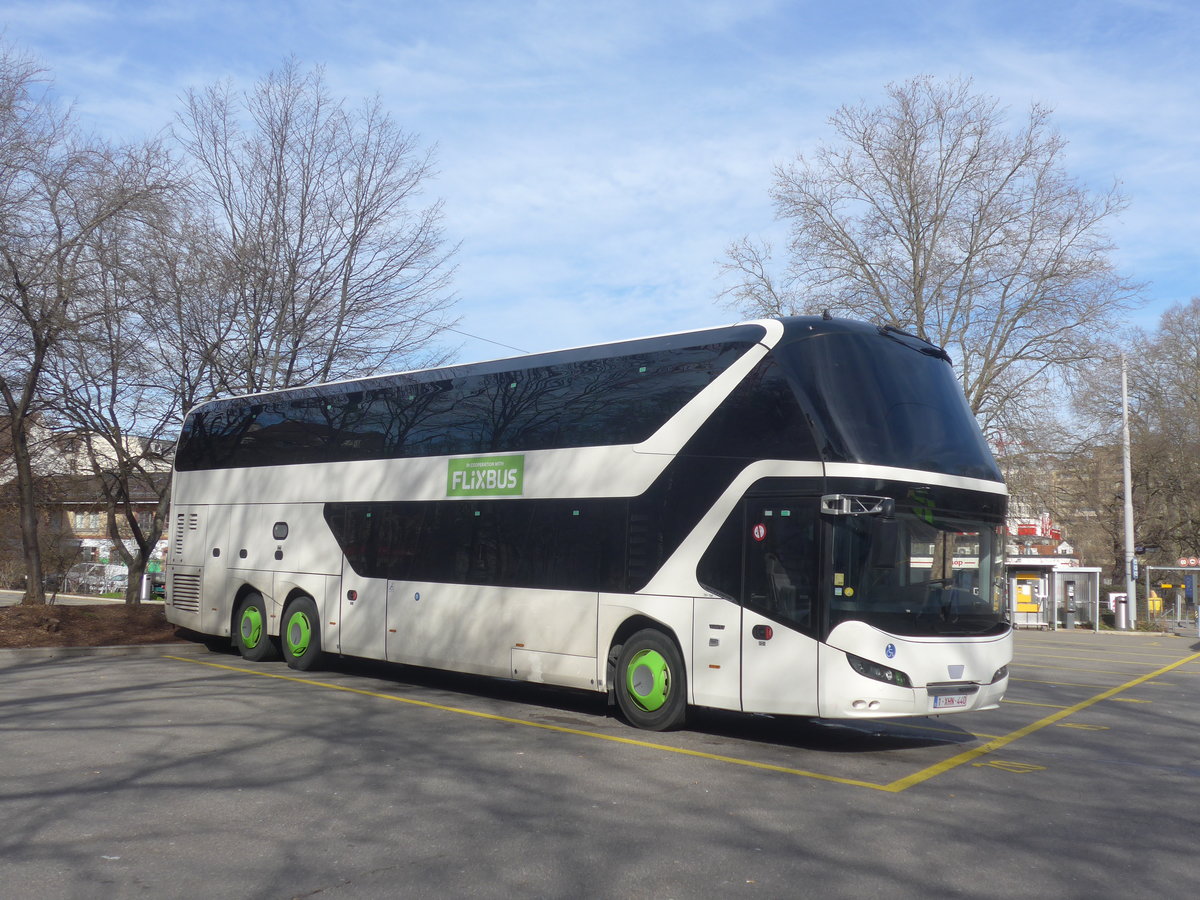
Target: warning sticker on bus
<point x="485" y="476"/>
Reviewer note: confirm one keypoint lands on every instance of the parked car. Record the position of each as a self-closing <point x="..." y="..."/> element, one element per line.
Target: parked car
<point x="50" y="583"/>
<point x="95" y="578"/>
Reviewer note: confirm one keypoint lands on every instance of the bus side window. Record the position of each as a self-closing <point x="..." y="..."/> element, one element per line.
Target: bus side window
<point x="720" y="568"/>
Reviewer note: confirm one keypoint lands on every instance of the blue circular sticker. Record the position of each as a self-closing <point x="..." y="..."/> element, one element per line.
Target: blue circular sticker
<point x="890" y="650"/>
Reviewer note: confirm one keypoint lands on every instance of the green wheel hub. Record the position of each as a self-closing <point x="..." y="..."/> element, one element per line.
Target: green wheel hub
<point x="298" y="633"/>
<point x="251" y="627"/>
<point x="648" y="680"/>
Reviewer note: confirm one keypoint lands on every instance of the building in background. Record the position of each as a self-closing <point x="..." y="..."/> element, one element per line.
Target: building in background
<point x="73" y="527"/>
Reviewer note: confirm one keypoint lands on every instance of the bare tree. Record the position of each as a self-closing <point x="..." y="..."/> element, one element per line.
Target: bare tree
<point x="1164" y="407"/>
<point x="113" y="390"/>
<point x="928" y="214"/>
<point x="332" y="269"/>
<point x="56" y="191"/>
<point x="1164" y="382"/>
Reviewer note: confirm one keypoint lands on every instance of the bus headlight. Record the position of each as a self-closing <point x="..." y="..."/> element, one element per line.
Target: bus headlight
<point x="874" y="671"/>
<point x="1001" y="672"/>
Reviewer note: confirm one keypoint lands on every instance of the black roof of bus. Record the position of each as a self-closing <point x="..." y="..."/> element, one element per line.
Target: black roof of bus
<point x="795" y="328"/>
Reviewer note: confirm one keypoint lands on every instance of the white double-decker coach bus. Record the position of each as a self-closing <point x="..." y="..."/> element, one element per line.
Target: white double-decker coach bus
<point x="788" y="516"/>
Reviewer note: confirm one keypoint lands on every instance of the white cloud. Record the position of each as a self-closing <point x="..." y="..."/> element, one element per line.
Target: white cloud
<point x="597" y="157"/>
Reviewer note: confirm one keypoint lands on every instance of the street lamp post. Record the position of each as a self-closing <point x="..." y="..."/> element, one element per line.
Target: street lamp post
<point x="1130" y="576"/>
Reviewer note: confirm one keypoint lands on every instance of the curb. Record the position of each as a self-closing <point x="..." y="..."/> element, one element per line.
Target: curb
<point x="26" y="655"/>
<point x="13" y="598"/>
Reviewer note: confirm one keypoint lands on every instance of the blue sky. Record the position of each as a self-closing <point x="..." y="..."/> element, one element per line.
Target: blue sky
<point x="596" y="158"/>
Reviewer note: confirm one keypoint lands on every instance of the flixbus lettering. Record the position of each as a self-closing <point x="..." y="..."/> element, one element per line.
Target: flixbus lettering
<point x="485" y="476"/>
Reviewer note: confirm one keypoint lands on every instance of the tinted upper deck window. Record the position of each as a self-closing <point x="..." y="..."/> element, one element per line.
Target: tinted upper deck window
<point x="595" y="401"/>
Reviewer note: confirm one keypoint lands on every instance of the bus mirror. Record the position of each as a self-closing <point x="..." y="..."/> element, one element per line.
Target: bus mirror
<point x="858" y="505"/>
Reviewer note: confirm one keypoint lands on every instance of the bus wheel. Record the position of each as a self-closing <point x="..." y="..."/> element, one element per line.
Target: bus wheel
<point x="250" y="635"/>
<point x="301" y="634"/>
<point x="651" y="686"/>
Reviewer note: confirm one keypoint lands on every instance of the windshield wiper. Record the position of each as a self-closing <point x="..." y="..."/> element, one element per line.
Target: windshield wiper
<point x="929" y="348"/>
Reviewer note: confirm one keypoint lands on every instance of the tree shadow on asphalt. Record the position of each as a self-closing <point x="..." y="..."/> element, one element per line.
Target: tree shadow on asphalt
<point x="586" y="710"/>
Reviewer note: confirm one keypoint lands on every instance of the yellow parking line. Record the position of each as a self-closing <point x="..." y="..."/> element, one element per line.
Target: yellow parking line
<point x="1108" y="658"/>
<point x="1108" y="652"/>
<point x="491" y="717"/>
<point x="896" y="786"/>
<point x="1065" y="668"/>
<point x="1031" y="703"/>
<point x="967" y="756"/>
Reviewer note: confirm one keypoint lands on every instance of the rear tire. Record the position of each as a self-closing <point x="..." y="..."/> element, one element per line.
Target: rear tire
<point x="250" y="635"/>
<point x="300" y="634"/>
<point x="651" y="685"/>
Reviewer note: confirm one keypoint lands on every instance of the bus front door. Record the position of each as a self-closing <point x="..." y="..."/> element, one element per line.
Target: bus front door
<point x="780" y="578"/>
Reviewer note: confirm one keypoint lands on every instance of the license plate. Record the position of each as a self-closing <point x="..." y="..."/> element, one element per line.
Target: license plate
<point x="952" y="701"/>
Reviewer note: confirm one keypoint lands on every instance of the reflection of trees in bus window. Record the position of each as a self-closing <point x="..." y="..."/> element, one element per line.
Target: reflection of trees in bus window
<point x="594" y="402"/>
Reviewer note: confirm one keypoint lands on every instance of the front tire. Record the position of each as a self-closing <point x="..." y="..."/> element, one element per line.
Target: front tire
<point x="651" y="685"/>
<point x="301" y="634"/>
<point x="250" y="635"/>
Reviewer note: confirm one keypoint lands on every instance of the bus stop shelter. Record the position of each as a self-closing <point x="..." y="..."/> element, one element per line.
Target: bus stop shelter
<point x="1075" y="596"/>
<point x="1043" y="593"/>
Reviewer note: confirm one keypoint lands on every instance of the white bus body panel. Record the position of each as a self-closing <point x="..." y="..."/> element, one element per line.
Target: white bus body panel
<point x="362" y="623"/>
<point x="844" y="694"/>
<point x="232" y="545"/>
<point x="716" y="653"/>
<point x="196" y="582"/>
<point x="779" y="675"/>
<point x="440" y="625"/>
<point x="554" y="668"/>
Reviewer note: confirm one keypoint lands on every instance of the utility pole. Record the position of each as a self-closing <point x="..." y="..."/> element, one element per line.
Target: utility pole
<point x="1130" y="575"/>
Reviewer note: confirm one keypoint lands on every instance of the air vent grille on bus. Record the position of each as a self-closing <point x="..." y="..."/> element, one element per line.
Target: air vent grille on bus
<point x="184" y="522"/>
<point x="185" y="592"/>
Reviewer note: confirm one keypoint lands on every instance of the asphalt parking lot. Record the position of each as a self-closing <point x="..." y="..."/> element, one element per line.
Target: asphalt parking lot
<point x="185" y="773"/>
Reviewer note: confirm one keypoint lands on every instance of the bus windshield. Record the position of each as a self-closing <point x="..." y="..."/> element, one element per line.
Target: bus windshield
<point x="887" y="399"/>
<point x="918" y="575"/>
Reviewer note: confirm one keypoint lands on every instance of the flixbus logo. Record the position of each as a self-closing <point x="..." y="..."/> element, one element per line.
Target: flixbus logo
<point x="485" y="476"/>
